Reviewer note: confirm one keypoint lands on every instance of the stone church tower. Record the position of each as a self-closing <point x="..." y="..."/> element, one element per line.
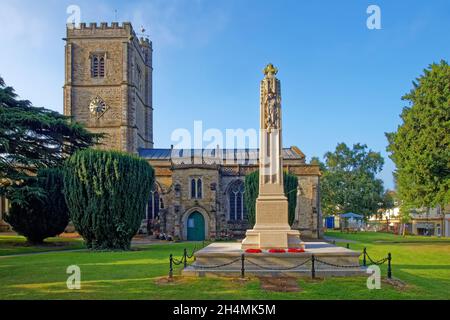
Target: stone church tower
<point x="108" y="84"/>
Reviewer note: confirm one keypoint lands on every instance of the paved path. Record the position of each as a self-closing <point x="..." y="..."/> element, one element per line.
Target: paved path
<point x="331" y="239"/>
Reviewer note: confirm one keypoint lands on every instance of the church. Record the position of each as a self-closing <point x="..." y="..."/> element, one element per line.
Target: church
<point x="198" y="194"/>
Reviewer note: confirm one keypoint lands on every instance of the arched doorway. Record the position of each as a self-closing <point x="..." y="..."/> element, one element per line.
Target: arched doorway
<point x="195" y="227"/>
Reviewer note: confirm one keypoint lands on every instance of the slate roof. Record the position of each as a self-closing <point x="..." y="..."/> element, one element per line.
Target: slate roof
<point x="165" y="154"/>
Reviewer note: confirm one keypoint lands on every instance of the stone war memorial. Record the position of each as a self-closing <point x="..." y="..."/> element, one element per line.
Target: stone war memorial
<point x="271" y="229"/>
<point x="271" y="245"/>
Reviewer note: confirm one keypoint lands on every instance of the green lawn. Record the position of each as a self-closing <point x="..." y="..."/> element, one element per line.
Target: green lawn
<point x="424" y="266"/>
<point x="10" y="245"/>
<point x="381" y="237"/>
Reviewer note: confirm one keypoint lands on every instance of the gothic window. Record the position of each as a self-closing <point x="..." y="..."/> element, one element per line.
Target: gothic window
<point x="196" y="188"/>
<point x="199" y="188"/>
<point x="193" y="189"/>
<point x="237" y="210"/>
<point x="98" y="65"/>
<point x="154" y="204"/>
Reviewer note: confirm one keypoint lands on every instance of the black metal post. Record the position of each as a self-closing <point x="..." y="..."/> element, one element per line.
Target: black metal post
<point x="313" y="269"/>
<point x="389" y="271"/>
<point x="170" y="266"/>
<point x="364" y="257"/>
<point x="348" y="245"/>
<point x="242" y="266"/>
<point x="334" y="242"/>
<point x="185" y="257"/>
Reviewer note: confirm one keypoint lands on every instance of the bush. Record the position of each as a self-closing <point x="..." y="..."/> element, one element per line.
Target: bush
<point x="107" y="192"/>
<point x="252" y="192"/>
<point x="40" y="217"/>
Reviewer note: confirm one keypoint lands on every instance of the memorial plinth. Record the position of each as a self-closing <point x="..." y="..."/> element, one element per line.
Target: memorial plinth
<point x="224" y="259"/>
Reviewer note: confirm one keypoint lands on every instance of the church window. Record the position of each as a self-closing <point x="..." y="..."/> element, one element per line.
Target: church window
<point x="98" y="65"/>
<point x="193" y="189"/>
<point x="196" y="188"/>
<point x="154" y="205"/>
<point x="236" y="201"/>
<point x="199" y="188"/>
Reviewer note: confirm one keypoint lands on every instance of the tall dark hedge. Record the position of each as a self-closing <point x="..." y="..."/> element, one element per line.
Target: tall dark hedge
<point x="106" y="192"/>
<point x="40" y="217"/>
<point x="252" y="192"/>
<point x="290" y="190"/>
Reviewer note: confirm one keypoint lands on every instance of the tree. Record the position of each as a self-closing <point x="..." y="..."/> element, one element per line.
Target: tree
<point x="388" y="202"/>
<point x="30" y="139"/>
<point x="420" y="148"/>
<point x="43" y="216"/>
<point x="107" y="193"/>
<point x="348" y="182"/>
<point x="316" y="161"/>
<point x="405" y="217"/>
<point x="252" y="191"/>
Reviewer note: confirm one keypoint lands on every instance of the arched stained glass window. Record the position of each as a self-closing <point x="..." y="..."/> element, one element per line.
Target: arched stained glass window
<point x="237" y="210"/>
<point x="196" y="188"/>
<point x="154" y="204"/>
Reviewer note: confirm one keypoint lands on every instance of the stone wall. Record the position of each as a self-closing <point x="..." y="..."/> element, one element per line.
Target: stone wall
<point x="125" y="88"/>
<point x="180" y="203"/>
<point x="214" y="204"/>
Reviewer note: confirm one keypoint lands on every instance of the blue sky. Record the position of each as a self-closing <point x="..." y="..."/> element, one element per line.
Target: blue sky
<point x="341" y="82"/>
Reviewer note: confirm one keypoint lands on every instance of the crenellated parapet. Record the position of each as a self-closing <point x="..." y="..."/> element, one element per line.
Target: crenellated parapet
<point x="104" y="30"/>
<point x="84" y="28"/>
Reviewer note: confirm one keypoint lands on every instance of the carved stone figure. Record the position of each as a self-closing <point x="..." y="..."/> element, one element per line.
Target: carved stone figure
<point x="272" y="114"/>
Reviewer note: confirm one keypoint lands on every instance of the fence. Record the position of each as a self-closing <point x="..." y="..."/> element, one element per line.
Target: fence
<point x="184" y="260"/>
<point x="313" y="259"/>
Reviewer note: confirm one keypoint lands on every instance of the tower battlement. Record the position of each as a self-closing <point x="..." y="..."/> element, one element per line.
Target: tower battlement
<point x="104" y="30"/>
<point x="101" y="26"/>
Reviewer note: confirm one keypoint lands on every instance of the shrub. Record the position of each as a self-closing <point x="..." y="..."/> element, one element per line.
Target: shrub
<point x="40" y="217"/>
<point x="107" y="192"/>
<point x="252" y="192"/>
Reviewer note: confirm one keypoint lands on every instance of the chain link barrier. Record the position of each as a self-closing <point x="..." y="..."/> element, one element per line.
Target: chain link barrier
<point x="378" y="262"/>
<point x="337" y="265"/>
<point x="278" y="269"/>
<point x="184" y="260"/>
<point x="313" y="260"/>
<point x="219" y="265"/>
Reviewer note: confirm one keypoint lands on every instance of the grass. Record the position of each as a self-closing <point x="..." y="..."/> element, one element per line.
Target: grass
<point x="381" y="237"/>
<point x="12" y="245"/>
<point x="140" y="274"/>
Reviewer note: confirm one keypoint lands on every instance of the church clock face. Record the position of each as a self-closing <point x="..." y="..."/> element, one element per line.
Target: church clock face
<point x="97" y="106"/>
